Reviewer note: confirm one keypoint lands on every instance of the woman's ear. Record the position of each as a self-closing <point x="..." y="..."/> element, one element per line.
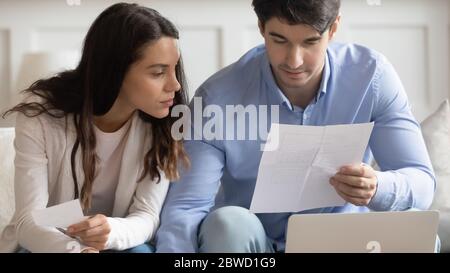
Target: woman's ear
<point x="334" y="27"/>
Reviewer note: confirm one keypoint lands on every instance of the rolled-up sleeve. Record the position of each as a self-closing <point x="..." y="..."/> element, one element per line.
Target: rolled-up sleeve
<point x="406" y="179"/>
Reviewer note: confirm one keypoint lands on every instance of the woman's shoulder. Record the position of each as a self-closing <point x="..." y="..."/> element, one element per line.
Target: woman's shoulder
<point x="43" y="123"/>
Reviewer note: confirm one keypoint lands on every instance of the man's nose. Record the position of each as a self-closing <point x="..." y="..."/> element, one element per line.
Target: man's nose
<point x="294" y="58"/>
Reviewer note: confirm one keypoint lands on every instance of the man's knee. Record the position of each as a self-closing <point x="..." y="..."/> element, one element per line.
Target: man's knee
<point x="232" y="229"/>
<point x="231" y="219"/>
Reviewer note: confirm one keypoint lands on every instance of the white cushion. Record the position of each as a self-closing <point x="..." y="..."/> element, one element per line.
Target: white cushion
<point x="6" y="175"/>
<point x="436" y="133"/>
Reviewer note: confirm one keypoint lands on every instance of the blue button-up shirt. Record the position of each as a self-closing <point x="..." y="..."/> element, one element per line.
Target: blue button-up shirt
<point x="358" y="85"/>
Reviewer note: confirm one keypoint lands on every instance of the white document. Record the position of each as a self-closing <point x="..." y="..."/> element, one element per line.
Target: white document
<point x="61" y="216"/>
<point x="294" y="176"/>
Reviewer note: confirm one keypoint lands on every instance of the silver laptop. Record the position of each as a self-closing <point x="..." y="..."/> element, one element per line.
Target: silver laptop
<point x="406" y="231"/>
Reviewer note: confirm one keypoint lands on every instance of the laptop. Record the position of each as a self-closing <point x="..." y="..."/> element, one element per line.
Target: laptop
<point x="373" y="232"/>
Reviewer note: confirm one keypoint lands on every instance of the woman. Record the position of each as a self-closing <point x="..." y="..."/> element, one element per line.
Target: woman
<point x="101" y="134"/>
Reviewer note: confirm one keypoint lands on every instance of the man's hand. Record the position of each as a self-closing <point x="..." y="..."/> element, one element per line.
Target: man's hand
<point x="93" y="232"/>
<point x="356" y="184"/>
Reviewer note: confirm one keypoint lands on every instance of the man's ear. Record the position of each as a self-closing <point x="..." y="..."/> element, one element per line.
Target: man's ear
<point x="334" y="27"/>
<point x="261" y="28"/>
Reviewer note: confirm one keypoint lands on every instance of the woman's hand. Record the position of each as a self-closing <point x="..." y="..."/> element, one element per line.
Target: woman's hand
<point x="92" y="232"/>
<point x="90" y="250"/>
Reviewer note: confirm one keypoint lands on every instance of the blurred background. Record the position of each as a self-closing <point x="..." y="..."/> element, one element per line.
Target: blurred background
<point x="41" y="37"/>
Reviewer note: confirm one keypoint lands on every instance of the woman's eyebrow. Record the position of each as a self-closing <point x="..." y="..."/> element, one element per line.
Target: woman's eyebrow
<point x="157" y="66"/>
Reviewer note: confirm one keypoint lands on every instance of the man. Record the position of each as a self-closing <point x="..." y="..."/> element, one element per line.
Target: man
<point x="313" y="82"/>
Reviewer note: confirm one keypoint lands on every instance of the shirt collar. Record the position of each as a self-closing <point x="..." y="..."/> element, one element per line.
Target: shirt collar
<point x="273" y="89"/>
<point x="325" y="78"/>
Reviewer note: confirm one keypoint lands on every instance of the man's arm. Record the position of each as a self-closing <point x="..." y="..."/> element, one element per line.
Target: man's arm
<point x="406" y="179"/>
<point x="190" y="198"/>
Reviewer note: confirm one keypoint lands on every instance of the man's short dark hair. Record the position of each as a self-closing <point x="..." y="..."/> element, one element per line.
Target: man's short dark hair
<point x="319" y="14"/>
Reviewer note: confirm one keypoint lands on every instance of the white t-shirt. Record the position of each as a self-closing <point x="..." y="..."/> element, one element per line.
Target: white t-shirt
<point x="109" y="150"/>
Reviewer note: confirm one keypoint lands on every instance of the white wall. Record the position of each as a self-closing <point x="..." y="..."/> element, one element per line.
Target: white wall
<point x="413" y="34"/>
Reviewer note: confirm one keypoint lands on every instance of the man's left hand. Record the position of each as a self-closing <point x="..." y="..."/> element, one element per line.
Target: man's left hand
<point x="356" y="184"/>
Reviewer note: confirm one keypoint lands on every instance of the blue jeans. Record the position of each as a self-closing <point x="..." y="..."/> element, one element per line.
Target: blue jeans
<point x="144" y="248"/>
<point x="237" y="230"/>
<point x="218" y="232"/>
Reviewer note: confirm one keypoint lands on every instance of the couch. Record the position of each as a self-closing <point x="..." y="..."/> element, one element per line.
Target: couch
<point x="436" y="133"/>
<point x="435" y="129"/>
<point x="6" y="175"/>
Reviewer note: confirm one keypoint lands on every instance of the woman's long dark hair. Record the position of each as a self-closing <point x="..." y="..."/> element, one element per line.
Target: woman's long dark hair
<point x="114" y="42"/>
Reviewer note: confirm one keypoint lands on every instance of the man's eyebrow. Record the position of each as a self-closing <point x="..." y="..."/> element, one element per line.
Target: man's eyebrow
<point x="274" y="34"/>
<point x="310" y="39"/>
<point x="313" y="39"/>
